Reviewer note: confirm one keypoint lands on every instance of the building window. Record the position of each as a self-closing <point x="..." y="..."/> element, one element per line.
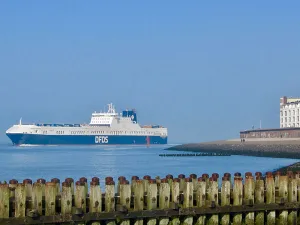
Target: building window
<point x="290" y="120"/>
<point x="293" y="112"/>
<point x="285" y="113"/>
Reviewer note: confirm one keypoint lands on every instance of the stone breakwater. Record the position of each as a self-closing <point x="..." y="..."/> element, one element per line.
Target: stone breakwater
<point x="284" y="170"/>
<point x="259" y="148"/>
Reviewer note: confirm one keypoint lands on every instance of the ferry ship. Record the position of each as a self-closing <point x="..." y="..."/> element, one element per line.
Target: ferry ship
<point x="105" y="128"/>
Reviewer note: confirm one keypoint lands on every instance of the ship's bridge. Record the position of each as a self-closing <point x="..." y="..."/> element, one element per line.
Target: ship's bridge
<point x="104" y="118"/>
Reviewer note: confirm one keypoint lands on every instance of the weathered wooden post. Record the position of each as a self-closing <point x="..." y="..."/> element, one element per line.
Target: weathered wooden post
<point x="169" y="178"/>
<point x="181" y="178"/>
<point x="80" y="196"/>
<point x="4" y="201"/>
<point x="50" y="198"/>
<point x="139" y="199"/>
<point x="175" y="199"/>
<point x="188" y="193"/>
<point x="57" y="182"/>
<point x="259" y="197"/>
<point x="249" y="197"/>
<point x="215" y="176"/>
<point x="292" y="196"/>
<point x="152" y="199"/>
<point x="164" y="199"/>
<point x="146" y="179"/>
<point x="237" y="197"/>
<point x="66" y="198"/>
<point x="95" y="204"/>
<point x="205" y="177"/>
<point x="125" y="197"/>
<point x="133" y="182"/>
<point x="71" y="181"/>
<point x="37" y="197"/>
<point x="12" y="186"/>
<point x="84" y="180"/>
<point x="120" y="180"/>
<point x="298" y="192"/>
<point x="110" y="197"/>
<point x="28" y="187"/>
<point x="175" y="191"/>
<point x="195" y="185"/>
<point x="213" y="199"/>
<point x="283" y="198"/>
<point x="297" y="176"/>
<point x="188" y="199"/>
<point x="276" y="179"/>
<point x="158" y="181"/>
<point x="20" y="200"/>
<point x="229" y="177"/>
<point x="225" y="198"/>
<point x="95" y="195"/>
<point x="270" y="197"/>
<point x="96" y="180"/>
<point x="194" y="181"/>
<point x="80" y="199"/>
<point x="201" y="199"/>
<point x="43" y="184"/>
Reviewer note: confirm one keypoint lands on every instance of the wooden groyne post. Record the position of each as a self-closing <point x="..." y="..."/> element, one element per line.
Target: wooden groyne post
<point x="188" y="200"/>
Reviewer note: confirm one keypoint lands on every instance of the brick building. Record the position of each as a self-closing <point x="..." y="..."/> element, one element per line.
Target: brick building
<point x="289" y="132"/>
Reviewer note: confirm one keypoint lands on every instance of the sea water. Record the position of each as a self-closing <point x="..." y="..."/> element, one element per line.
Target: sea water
<point x="60" y="162"/>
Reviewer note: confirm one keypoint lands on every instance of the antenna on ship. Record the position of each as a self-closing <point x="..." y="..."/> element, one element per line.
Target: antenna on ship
<point x="111" y="108"/>
<point x="20" y="123"/>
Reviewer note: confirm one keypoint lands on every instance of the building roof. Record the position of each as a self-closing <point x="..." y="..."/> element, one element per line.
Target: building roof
<point x="270" y="129"/>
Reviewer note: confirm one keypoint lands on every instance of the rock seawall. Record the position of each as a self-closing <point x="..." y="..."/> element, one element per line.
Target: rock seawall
<point x="259" y="148"/>
<point x="295" y="168"/>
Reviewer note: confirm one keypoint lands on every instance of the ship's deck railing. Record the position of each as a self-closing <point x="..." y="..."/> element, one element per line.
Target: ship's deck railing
<point x="152" y="126"/>
<point x="57" y="125"/>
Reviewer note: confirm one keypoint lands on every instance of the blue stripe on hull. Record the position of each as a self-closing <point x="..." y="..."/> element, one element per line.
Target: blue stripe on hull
<point x="36" y="139"/>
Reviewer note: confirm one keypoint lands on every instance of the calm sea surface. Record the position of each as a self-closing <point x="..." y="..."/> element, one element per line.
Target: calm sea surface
<point x="61" y="162"/>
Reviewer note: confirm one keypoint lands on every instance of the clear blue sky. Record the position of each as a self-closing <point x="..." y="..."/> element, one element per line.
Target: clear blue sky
<point x="206" y="70"/>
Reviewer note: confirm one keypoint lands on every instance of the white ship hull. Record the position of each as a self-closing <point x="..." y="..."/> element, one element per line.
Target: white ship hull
<point x="104" y="129"/>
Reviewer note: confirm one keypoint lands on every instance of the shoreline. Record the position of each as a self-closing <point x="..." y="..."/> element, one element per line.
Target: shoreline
<point x="295" y="167"/>
<point x="274" y="148"/>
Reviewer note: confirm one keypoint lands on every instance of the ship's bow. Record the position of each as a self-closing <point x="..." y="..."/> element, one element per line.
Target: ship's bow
<point x="15" y="136"/>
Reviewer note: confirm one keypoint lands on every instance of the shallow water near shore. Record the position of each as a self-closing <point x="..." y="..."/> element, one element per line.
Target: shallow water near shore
<point x="88" y="161"/>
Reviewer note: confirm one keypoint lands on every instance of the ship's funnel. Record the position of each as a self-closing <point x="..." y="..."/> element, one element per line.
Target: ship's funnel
<point x="131" y="114"/>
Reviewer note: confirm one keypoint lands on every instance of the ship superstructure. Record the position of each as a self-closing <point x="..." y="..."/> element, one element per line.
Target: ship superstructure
<point x="108" y="128"/>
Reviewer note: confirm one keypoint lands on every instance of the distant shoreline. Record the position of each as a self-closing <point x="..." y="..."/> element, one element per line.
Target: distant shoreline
<point x="259" y="147"/>
<point x="295" y="167"/>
